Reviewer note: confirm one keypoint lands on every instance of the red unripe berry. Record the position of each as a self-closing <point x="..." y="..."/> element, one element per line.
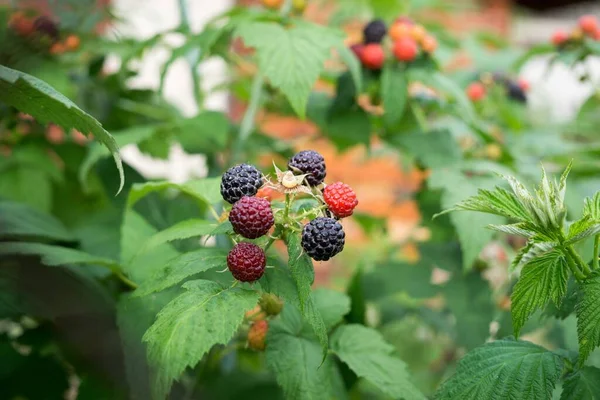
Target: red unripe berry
<point x="357" y="49"/>
<point x="429" y="44"/>
<point x="524" y="84"/>
<point x="476" y="91"/>
<point x="559" y="37"/>
<point x="340" y="199"/>
<point x="247" y="262"/>
<point x="406" y="49"/>
<point x="588" y="24"/>
<point x="373" y="56"/>
<point x="257" y="335"/>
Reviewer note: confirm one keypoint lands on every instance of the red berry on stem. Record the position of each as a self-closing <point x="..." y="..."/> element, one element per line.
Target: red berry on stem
<point x="257" y="335"/>
<point x="589" y="24"/>
<point x="476" y="91"/>
<point x="559" y="37"/>
<point x="247" y="262"/>
<point x="341" y="199"/>
<point x="373" y="56"/>
<point x="251" y="217"/>
<point x="406" y="49"/>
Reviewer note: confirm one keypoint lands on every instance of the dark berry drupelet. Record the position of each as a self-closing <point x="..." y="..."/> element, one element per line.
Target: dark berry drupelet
<point x="515" y="92"/>
<point x="247" y="262"/>
<point x="309" y="162"/>
<point x="239" y="181"/>
<point x="45" y="26"/>
<point x="374" y="32"/>
<point x="323" y="238"/>
<point x="251" y="217"/>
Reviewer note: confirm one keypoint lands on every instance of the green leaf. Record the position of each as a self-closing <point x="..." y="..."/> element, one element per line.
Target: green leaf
<point x="543" y="278"/>
<point x="348" y="128"/>
<point x="394" y="92"/>
<point x="55" y="255"/>
<point x="296" y="359"/>
<point x="182" y="267"/>
<point x="206" y="132"/>
<point x="353" y="64"/>
<point x="588" y="317"/>
<point x="19" y="220"/>
<point x="291" y="58"/>
<point x="183" y="230"/>
<point x="582" y="385"/>
<point x="303" y="273"/>
<point x="435" y="149"/>
<point x="206" y="190"/>
<point x="583" y="228"/>
<point x="332" y="305"/>
<point x="370" y="357"/>
<point x="504" y="369"/>
<point x="531" y="251"/>
<point x="591" y="206"/>
<point x="38" y="99"/>
<point x="186" y="329"/>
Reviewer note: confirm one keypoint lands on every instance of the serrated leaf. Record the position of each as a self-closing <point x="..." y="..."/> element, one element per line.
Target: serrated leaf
<point x="183" y="230"/>
<point x="531" y="251"/>
<point x="583" y="228"/>
<point x="19" y="220"/>
<point x="518" y="229"/>
<point x="591" y="206"/>
<point x="394" y="92"/>
<point x="186" y="329"/>
<point x="291" y="58"/>
<point x="582" y="385"/>
<point x="588" y="316"/>
<point x="543" y="279"/>
<point x="38" y="99"/>
<point x="56" y="255"/>
<point x="182" y="267"/>
<point x="504" y="369"/>
<point x="370" y="357"/>
<point x="332" y="305"/>
<point x="302" y="271"/>
<point x="296" y="359"/>
<point x="206" y="190"/>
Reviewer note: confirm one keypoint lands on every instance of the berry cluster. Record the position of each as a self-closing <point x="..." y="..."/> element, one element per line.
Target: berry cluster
<point x="43" y="32"/>
<point x="587" y="26"/>
<point x="408" y="40"/>
<point x="514" y="89"/>
<point x="252" y="216"/>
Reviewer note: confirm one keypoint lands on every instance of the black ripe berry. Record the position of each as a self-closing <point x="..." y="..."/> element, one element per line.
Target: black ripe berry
<point x="374" y="32"/>
<point x="239" y="181"/>
<point x="515" y="92"/>
<point x="323" y="238"/>
<point x="45" y="26"/>
<point x="309" y="162"/>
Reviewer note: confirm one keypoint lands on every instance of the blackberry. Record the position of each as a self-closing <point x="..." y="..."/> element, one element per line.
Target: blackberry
<point x="251" y="217"/>
<point x="45" y="26"/>
<point x="309" y="162"/>
<point x="323" y="238"/>
<point x="247" y="262"/>
<point x="374" y="32"/>
<point x="515" y="92"/>
<point x="239" y="181"/>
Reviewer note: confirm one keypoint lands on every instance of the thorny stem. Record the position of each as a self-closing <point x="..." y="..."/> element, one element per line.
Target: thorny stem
<point x="596" y="249"/>
<point x="573" y="267"/>
<point x="586" y="269"/>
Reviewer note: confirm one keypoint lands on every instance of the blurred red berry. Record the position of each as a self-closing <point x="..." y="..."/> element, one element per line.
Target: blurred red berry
<point x="476" y="91"/>
<point x="406" y="49"/>
<point x="341" y="199"/>
<point x="55" y="134"/>
<point x="559" y="37"/>
<point x="429" y="44"/>
<point x="523" y="84"/>
<point x="373" y="56"/>
<point x="357" y="49"/>
<point x="589" y="25"/>
<point x="79" y="137"/>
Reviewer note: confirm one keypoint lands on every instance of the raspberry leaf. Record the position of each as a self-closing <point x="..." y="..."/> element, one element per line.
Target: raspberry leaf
<point x="21" y="221"/>
<point x="56" y="255"/>
<point x="394" y="92"/>
<point x="591" y="206"/>
<point x="296" y="358"/>
<point x="291" y="58"/>
<point x="332" y="306"/>
<point x="190" y="325"/>
<point x="38" y="99"/>
<point x="370" y="357"/>
<point x="583" y="228"/>
<point x="588" y="317"/>
<point x="582" y="385"/>
<point x="542" y="280"/>
<point x="302" y="271"/>
<point x="504" y="369"/>
<point x="182" y="267"/>
<point x="182" y="230"/>
<point x="205" y="190"/>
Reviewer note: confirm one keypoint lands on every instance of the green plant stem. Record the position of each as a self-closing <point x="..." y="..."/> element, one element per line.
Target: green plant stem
<point x="573" y="267"/>
<point x="247" y="124"/>
<point x="125" y="280"/>
<point x="286" y="211"/>
<point x="595" y="261"/>
<point x="183" y="13"/>
<point x="585" y="267"/>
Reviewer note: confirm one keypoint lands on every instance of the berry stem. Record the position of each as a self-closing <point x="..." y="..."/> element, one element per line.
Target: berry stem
<point x="286" y="211"/>
<point x="573" y="266"/>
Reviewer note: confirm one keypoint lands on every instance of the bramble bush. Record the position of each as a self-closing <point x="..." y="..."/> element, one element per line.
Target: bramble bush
<point x="115" y="286"/>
